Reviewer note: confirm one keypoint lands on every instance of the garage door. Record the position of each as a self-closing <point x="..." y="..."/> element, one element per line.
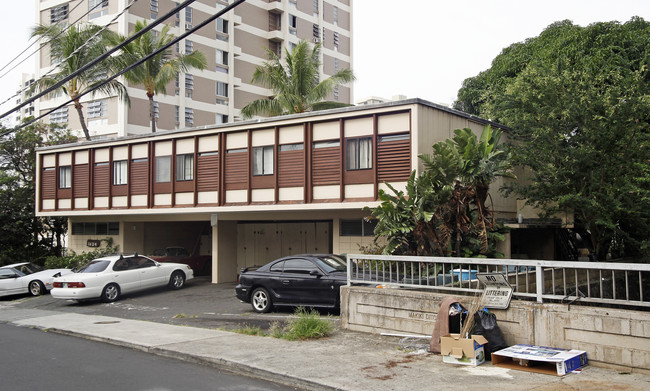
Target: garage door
<point x="259" y="243"/>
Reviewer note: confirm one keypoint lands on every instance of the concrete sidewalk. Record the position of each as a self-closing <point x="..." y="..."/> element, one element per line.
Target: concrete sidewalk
<point x="345" y="361"/>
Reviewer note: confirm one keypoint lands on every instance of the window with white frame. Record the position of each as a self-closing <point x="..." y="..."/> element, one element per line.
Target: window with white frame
<point x="58" y="13"/>
<point x="189" y="46"/>
<point x="177" y="114"/>
<point x="163" y="169"/>
<point x="221" y="118"/>
<point x="97" y="8"/>
<point x="336" y="92"/>
<point x="222" y="29"/>
<point x="189" y="116"/>
<point x="336" y="64"/>
<point x="335" y="11"/>
<point x="65" y="177"/>
<point x="293" y="24"/>
<point x="222" y="61"/>
<point x="120" y="172"/>
<point x="263" y="160"/>
<point x="359" y="153"/>
<point x="98" y="108"/>
<point x="315" y="7"/>
<point x="189" y="82"/>
<point x="185" y="167"/>
<point x="188" y="15"/>
<point x="153" y="5"/>
<point x="59" y="116"/>
<point x="222" y="89"/>
<point x="336" y="41"/>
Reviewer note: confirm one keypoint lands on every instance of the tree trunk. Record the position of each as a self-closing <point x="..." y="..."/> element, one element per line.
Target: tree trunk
<point x="80" y="113"/>
<point x="152" y="115"/>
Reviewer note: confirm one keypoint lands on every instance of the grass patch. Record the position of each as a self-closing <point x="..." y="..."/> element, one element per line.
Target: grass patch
<point x="251" y="330"/>
<point x="307" y="325"/>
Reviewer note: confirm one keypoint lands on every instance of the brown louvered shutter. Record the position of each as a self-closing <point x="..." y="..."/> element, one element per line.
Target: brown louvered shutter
<point x="48" y="183"/>
<point x="393" y="161"/>
<point x="326" y="165"/>
<point x="236" y="170"/>
<point x="207" y="171"/>
<point x="139" y="177"/>
<point x="101" y="179"/>
<point x="291" y="168"/>
<point x="80" y="185"/>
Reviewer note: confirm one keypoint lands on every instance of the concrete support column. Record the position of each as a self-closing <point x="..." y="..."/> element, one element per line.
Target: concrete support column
<point x="224" y="251"/>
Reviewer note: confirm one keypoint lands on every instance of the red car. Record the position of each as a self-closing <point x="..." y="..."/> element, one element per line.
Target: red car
<point x="200" y="264"/>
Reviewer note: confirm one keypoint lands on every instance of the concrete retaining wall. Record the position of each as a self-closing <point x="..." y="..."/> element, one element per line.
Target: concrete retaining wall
<point x="611" y="337"/>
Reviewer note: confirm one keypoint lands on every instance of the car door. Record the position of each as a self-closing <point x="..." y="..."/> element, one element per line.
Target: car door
<point x="303" y="282"/>
<point x="11" y="282"/>
<point x="151" y="274"/>
<point x="126" y="275"/>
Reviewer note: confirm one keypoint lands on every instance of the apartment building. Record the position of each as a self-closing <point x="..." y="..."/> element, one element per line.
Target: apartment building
<point x="252" y="191"/>
<point x="234" y="45"/>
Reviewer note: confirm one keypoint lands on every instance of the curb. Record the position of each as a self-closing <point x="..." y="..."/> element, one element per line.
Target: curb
<point x="220" y="364"/>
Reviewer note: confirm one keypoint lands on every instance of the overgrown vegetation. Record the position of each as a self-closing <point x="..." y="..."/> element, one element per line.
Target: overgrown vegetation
<point x="73" y="260"/>
<point x="445" y="210"/>
<point x="308" y="324"/>
<point x="25" y="236"/>
<point x="578" y="102"/>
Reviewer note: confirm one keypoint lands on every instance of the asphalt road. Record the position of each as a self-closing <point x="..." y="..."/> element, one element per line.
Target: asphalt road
<point x="199" y="304"/>
<point x="34" y="360"/>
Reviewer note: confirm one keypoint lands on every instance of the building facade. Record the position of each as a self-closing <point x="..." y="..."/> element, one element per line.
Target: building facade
<point x="233" y="45"/>
<point x="249" y="192"/>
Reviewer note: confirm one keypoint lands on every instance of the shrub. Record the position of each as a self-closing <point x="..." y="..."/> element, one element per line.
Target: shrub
<point x="76" y="261"/>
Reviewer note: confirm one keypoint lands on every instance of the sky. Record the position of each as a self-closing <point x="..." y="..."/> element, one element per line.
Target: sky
<point x="417" y="48"/>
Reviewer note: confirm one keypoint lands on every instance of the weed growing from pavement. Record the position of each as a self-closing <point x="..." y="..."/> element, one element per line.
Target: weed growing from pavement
<point x="183" y="316"/>
<point x="308" y="324"/>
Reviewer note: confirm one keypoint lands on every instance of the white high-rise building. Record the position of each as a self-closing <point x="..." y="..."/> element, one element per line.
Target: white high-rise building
<point x="233" y="45"/>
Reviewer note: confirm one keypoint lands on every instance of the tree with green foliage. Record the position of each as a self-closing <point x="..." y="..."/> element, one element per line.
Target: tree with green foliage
<point x="72" y="48"/>
<point x="26" y="237"/>
<point x="157" y="71"/>
<point x="295" y="83"/>
<point x="578" y="102"/>
<point x="445" y="211"/>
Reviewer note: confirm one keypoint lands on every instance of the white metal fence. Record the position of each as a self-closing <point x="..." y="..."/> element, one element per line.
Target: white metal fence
<point x="597" y="282"/>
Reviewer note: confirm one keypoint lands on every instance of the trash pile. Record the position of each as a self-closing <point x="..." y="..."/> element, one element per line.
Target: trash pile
<point x="470" y="336"/>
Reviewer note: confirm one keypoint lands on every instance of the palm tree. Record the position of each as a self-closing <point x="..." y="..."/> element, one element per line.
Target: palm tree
<point x="71" y="48"/>
<point x="295" y="83"/>
<point x="157" y="71"/>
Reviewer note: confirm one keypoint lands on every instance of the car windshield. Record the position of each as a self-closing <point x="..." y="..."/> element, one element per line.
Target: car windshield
<point x="332" y="263"/>
<point x="95" y="266"/>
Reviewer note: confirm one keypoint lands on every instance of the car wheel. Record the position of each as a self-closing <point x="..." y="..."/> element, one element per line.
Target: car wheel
<point x="110" y="293"/>
<point x="177" y="280"/>
<point x="36" y="288"/>
<point x="261" y="300"/>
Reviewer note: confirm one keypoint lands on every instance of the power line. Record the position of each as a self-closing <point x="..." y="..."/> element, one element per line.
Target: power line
<point x="141" y="61"/>
<point x="99" y="59"/>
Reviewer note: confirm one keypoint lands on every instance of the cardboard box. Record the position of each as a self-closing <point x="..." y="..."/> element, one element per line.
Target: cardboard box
<point x="465" y="351"/>
<point x="541" y="359"/>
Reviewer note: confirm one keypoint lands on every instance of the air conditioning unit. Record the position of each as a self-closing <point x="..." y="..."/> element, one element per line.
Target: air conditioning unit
<point x="188" y="26"/>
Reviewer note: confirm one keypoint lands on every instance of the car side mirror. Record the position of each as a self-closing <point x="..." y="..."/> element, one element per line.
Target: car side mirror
<point x="316" y="273"/>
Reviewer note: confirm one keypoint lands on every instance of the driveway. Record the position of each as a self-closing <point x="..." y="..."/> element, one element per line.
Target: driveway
<point x="199" y="304"/>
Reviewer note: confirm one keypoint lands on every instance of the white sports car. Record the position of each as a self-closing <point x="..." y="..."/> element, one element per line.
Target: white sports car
<point x="27" y="277"/>
<point x="109" y="277"/>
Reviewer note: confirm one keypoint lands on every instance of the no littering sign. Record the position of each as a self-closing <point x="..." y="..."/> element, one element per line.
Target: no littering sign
<point x="497" y="293"/>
